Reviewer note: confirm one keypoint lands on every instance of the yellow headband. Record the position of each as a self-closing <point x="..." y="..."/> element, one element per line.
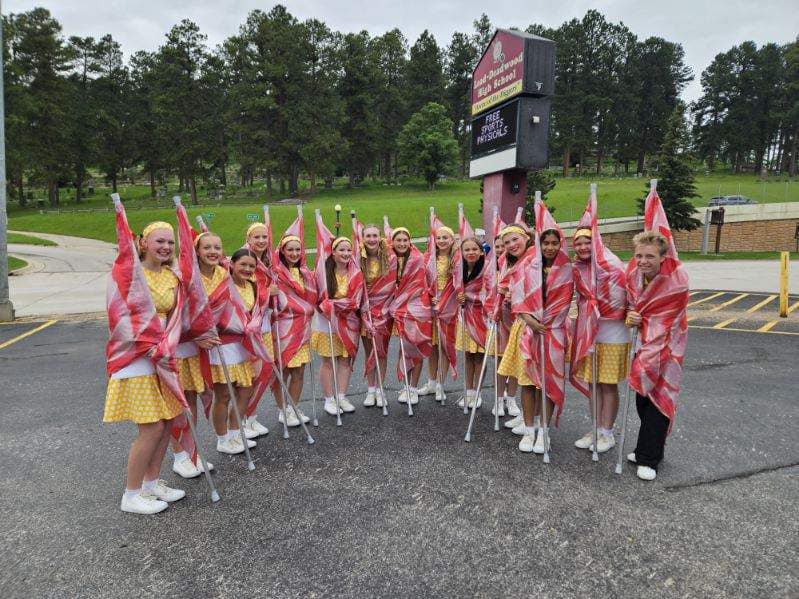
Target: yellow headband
<point x="254" y="226"/>
<point x="445" y="229"/>
<point x="400" y="230"/>
<point x="513" y="229"/>
<point x="339" y="240"/>
<point x="159" y="224"/>
<point x="582" y="233"/>
<point x="288" y="238"/>
<point x="201" y="235"/>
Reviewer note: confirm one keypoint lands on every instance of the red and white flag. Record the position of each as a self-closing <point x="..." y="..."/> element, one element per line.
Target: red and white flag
<point x="446" y="307"/>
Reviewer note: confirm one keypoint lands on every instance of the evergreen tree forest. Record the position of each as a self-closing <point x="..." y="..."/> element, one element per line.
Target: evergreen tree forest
<point x="285" y="100"/>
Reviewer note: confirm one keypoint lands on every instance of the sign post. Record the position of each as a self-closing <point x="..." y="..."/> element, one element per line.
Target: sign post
<point x="512" y="86"/>
<point x="6" y="307"/>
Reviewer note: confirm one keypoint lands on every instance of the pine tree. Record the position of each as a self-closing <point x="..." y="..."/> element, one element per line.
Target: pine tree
<point x="425" y="73"/>
<point x="676" y="179"/>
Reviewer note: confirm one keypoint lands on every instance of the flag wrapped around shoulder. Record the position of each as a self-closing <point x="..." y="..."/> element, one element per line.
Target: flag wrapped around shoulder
<point x="296" y="298"/>
<point x="376" y="294"/>
<point x="342" y="314"/>
<point x="410" y="309"/>
<point x="548" y="299"/>
<point x="489" y="294"/>
<point x="474" y="321"/>
<point x="263" y="271"/>
<point x="601" y="294"/>
<point x="657" y="368"/>
<point x="446" y="306"/>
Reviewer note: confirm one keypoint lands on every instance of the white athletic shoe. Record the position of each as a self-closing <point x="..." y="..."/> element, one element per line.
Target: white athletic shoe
<point x="237" y="441"/>
<point x="345" y="405"/>
<point x="143" y="504"/>
<point x="428" y="388"/>
<point x="291" y="419"/>
<point x="186" y="468"/>
<point x="248" y="432"/>
<point x="252" y="424"/>
<point x="631" y="457"/>
<point x="370" y="399"/>
<point x="498" y="408"/>
<point x="584" y="442"/>
<point x="514" y="422"/>
<point x="472" y="400"/>
<point x="164" y="493"/>
<point x="302" y="416"/>
<point x="646" y="473"/>
<point x="519" y="430"/>
<point x="330" y="407"/>
<point x="440" y="395"/>
<point x="604" y="443"/>
<point x="511" y="407"/>
<point x="460" y="401"/>
<point x="414" y="398"/>
<point x="228" y="447"/>
<point x="199" y="466"/>
<point x="403" y="396"/>
<point x="538" y="448"/>
<point x="380" y="401"/>
<point x="526" y="445"/>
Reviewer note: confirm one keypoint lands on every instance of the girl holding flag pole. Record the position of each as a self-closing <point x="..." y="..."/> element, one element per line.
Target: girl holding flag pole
<point x="337" y="324"/>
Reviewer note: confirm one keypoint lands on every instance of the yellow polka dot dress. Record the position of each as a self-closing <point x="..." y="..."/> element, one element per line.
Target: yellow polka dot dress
<point x="464" y="341"/>
<point x="241" y="373"/>
<point x="320" y="341"/>
<point x="512" y="363"/>
<point x="303" y="355"/>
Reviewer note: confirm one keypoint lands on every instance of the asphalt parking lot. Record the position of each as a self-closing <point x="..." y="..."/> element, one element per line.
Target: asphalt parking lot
<point x="401" y="507"/>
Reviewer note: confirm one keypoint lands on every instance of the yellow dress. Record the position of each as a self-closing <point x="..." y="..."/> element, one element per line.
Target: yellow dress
<point x="465" y="342"/>
<point x="241" y="374"/>
<point x="303" y="355"/>
<point x="370" y="275"/>
<point x="320" y="341"/>
<point x="512" y="363"/>
<point x="443" y="273"/>
<point x="190" y="375"/>
<point x="140" y="398"/>
<point x="612" y="363"/>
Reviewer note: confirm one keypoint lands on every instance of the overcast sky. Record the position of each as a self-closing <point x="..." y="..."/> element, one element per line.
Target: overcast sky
<point x="703" y="27"/>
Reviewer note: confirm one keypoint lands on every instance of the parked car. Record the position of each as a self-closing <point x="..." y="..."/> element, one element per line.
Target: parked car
<point x="730" y="201"/>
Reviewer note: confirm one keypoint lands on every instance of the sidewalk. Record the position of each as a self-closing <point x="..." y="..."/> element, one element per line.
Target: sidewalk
<point x="754" y="276"/>
<point x="69" y="278"/>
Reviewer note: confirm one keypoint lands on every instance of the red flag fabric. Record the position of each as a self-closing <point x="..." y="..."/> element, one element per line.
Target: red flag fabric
<point x="296" y="302"/>
<point x="549" y="303"/>
<point x="410" y="309"/>
<point x="343" y="314"/>
<point x="657" y="368"/>
<point x="446" y="308"/>
<point x="600" y="284"/>
<point x="474" y="321"/>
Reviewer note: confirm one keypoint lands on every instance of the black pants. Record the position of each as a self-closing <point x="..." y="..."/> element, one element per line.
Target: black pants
<point x="652" y="436"/>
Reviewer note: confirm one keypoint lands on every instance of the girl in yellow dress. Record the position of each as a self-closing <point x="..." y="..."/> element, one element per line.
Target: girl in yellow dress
<point x="337" y="275"/>
<point x="506" y="385"/>
<point x="134" y="393"/>
<point x="473" y="260"/>
<point x="445" y="249"/>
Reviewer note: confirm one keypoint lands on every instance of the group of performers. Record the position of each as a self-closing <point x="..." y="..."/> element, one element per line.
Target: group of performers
<point x="201" y="328"/>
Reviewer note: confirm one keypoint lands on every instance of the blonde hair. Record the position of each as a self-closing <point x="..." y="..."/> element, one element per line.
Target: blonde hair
<point x="382" y="252"/>
<point x="651" y="238"/>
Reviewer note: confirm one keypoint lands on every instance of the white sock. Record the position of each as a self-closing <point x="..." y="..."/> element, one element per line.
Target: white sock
<point x="606" y="431"/>
<point x="328" y="399"/>
<point x="233" y="433"/>
<point x="221" y="438"/>
<point x="148" y="485"/>
<point x="529" y="430"/>
<point x="372" y="390"/>
<point x="470" y="392"/>
<point x="413" y="390"/>
<point x="131" y="493"/>
<point x="181" y="455"/>
<point x="537" y="422"/>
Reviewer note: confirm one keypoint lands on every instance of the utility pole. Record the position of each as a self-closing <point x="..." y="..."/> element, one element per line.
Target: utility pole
<point x="6" y="307"/>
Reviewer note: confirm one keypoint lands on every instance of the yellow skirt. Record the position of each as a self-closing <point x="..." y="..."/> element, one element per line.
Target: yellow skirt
<point x="512" y="363"/>
<point x="268" y="342"/>
<point x="139" y="398"/>
<point x="320" y="343"/>
<point x="191" y="379"/>
<point x="434" y="340"/>
<point x="301" y="358"/>
<point x="241" y="374"/>
<point x="612" y="363"/>
<point x="464" y="342"/>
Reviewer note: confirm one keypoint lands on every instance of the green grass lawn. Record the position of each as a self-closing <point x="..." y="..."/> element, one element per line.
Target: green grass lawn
<point x="29" y="239"/>
<point x="405" y="205"/>
<point x="15" y="263"/>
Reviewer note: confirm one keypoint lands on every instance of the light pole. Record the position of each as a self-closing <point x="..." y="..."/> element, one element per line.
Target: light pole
<point x="6" y="307"/>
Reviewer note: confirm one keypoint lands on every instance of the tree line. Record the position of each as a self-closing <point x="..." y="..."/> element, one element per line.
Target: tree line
<point x="286" y="99"/>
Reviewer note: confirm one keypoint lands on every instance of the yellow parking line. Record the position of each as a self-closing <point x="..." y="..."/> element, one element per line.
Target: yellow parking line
<point x="696" y="326"/>
<point x="705" y="299"/>
<point x="720" y="306"/>
<point x="754" y="308"/>
<point x="770" y="325"/>
<point x="41" y="327"/>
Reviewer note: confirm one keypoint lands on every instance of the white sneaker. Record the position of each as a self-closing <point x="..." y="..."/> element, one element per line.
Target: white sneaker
<point x="584" y="442"/>
<point x="414" y="398"/>
<point x="646" y="473"/>
<point x="143" y="504"/>
<point x="370" y="399"/>
<point x="472" y="400"/>
<point x="380" y="401"/>
<point x="252" y="424"/>
<point x="291" y="419"/>
<point x="527" y="444"/>
<point x="500" y="407"/>
<point x="237" y="441"/>
<point x="403" y="396"/>
<point x="199" y="466"/>
<point x="440" y="395"/>
<point x="519" y="429"/>
<point x="228" y="447"/>
<point x="345" y="405"/>
<point x="248" y="432"/>
<point x="538" y="448"/>
<point x="303" y="417"/>
<point x="511" y="407"/>
<point x="330" y="407"/>
<point x="186" y="468"/>
<point x="631" y="457"/>
<point x="164" y="493"/>
<point x="514" y="422"/>
<point x="604" y="443"/>
<point x="428" y="388"/>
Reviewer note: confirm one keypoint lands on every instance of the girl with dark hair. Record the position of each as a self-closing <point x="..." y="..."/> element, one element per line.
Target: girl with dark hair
<point x="471" y="334"/>
<point x="506" y="386"/>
